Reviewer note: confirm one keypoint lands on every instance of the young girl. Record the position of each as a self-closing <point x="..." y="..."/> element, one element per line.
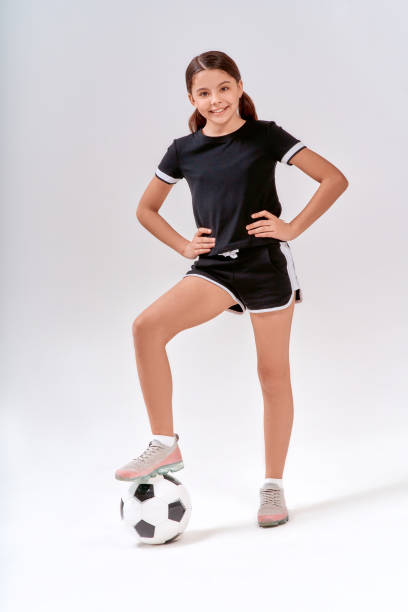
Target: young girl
<point x="242" y="259"/>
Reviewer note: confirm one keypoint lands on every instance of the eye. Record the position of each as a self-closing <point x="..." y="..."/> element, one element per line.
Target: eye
<point x="204" y="92"/>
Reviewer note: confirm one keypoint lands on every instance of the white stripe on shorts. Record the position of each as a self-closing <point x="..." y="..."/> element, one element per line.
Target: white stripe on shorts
<point x="284" y="247"/>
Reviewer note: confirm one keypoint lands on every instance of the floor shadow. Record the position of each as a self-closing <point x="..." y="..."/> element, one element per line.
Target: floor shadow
<point x="371" y="494"/>
<point x="193" y="536"/>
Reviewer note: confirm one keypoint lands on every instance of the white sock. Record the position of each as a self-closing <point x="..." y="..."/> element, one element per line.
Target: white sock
<point x="277" y="481"/>
<point x="168" y="440"/>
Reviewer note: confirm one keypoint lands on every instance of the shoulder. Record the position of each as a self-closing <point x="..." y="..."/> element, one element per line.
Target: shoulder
<point x="257" y="125"/>
<point x="260" y="127"/>
<point x="184" y="141"/>
<point x="260" y="122"/>
<point x="267" y="124"/>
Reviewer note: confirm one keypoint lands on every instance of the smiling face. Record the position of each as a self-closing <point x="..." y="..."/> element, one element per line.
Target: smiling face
<point x="216" y="94"/>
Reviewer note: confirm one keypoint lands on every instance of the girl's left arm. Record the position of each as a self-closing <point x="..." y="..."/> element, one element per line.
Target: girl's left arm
<point x="332" y="184"/>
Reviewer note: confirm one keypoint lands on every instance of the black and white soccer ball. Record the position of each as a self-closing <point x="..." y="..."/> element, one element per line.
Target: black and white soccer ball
<point x="158" y="510"/>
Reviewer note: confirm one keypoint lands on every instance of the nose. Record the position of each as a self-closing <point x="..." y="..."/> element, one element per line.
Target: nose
<point x="215" y="99"/>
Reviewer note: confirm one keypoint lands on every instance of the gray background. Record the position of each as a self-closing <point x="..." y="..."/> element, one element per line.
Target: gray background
<point x="94" y="92"/>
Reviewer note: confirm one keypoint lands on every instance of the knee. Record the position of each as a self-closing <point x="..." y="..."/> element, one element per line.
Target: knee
<point x="273" y="376"/>
<point x="146" y="326"/>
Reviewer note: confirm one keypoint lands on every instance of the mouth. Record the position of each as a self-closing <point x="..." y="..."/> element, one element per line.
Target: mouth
<point x="219" y="111"/>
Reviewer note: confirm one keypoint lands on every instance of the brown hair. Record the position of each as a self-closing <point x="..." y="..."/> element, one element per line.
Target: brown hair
<point x="213" y="60"/>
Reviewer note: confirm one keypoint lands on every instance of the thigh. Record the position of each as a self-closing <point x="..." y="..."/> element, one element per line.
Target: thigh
<point x="272" y="335"/>
<point x="188" y="303"/>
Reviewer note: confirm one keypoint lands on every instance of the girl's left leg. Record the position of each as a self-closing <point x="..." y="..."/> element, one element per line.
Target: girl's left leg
<point x="272" y="335"/>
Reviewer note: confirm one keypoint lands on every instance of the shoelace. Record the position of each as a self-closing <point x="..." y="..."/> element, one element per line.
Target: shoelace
<point x="146" y="453"/>
<point x="271" y="495"/>
<point x="232" y="254"/>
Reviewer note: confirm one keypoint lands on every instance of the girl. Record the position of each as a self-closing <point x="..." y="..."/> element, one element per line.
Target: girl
<point x="242" y="259"/>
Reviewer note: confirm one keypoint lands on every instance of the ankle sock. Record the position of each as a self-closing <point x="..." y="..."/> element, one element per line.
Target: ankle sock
<point x="168" y="440"/>
<point x="277" y="481"/>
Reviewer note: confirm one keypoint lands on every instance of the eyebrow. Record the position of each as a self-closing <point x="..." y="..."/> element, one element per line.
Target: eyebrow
<point x="218" y="85"/>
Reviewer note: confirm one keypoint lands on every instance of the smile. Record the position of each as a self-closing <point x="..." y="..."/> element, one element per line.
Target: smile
<point x="219" y="112"/>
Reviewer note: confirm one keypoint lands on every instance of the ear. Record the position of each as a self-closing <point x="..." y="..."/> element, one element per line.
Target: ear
<point x="190" y="97"/>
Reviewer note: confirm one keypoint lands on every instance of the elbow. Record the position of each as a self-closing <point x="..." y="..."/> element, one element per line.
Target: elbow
<point x="341" y="181"/>
<point x="139" y="216"/>
<point x="144" y="216"/>
<point x="345" y="185"/>
<point x="342" y="185"/>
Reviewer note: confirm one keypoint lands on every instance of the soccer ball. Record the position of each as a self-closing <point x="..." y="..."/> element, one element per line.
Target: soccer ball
<point x="158" y="510"/>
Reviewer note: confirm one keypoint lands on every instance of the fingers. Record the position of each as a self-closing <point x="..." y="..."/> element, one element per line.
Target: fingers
<point x="258" y="224"/>
<point x="203" y="229"/>
<point x="204" y="240"/>
<point x="203" y="244"/>
<point x="263" y="213"/>
<point x="260" y="227"/>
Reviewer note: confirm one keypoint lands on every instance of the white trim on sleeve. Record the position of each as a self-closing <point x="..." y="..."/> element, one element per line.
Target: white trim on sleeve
<point x="296" y="147"/>
<point x="166" y="177"/>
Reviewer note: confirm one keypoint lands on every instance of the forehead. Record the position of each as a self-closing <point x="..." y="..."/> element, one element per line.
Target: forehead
<point x="210" y="78"/>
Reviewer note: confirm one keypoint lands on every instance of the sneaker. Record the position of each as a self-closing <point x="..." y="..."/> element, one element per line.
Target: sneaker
<point x="272" y="510"/>
<point x="156" y="459"/>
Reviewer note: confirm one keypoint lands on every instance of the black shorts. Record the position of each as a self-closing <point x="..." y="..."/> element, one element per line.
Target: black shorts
<point x="260" y="278"/>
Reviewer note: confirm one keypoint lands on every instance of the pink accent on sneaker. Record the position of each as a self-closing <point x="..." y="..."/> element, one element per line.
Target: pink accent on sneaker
<point x="157" y="457"/>
<point x="272" y="510"/>
<point x="174" y="457"/>
<point x="125" y="473"/>
<point x="271" y="517"/>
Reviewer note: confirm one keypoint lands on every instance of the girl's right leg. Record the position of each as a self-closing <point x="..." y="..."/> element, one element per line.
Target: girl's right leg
<point x="190" y="302"/>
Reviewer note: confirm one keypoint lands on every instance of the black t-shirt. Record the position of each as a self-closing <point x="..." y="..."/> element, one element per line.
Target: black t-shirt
<point x="230" y="177"/>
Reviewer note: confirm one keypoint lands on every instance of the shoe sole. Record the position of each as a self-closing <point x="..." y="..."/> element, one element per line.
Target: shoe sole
<point x="164" y="469"/>
<point x="273" y="523"/>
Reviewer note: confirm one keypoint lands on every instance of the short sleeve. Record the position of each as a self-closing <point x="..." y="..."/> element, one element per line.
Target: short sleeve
<point x="282" y="145"/>
<point x="168" y="169"/>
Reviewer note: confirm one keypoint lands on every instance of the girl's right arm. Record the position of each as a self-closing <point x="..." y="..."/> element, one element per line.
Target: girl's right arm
<point x="148" y="215"/>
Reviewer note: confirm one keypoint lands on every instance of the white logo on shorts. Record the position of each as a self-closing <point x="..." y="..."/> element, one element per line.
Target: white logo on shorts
<point x="232" y="254"/>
